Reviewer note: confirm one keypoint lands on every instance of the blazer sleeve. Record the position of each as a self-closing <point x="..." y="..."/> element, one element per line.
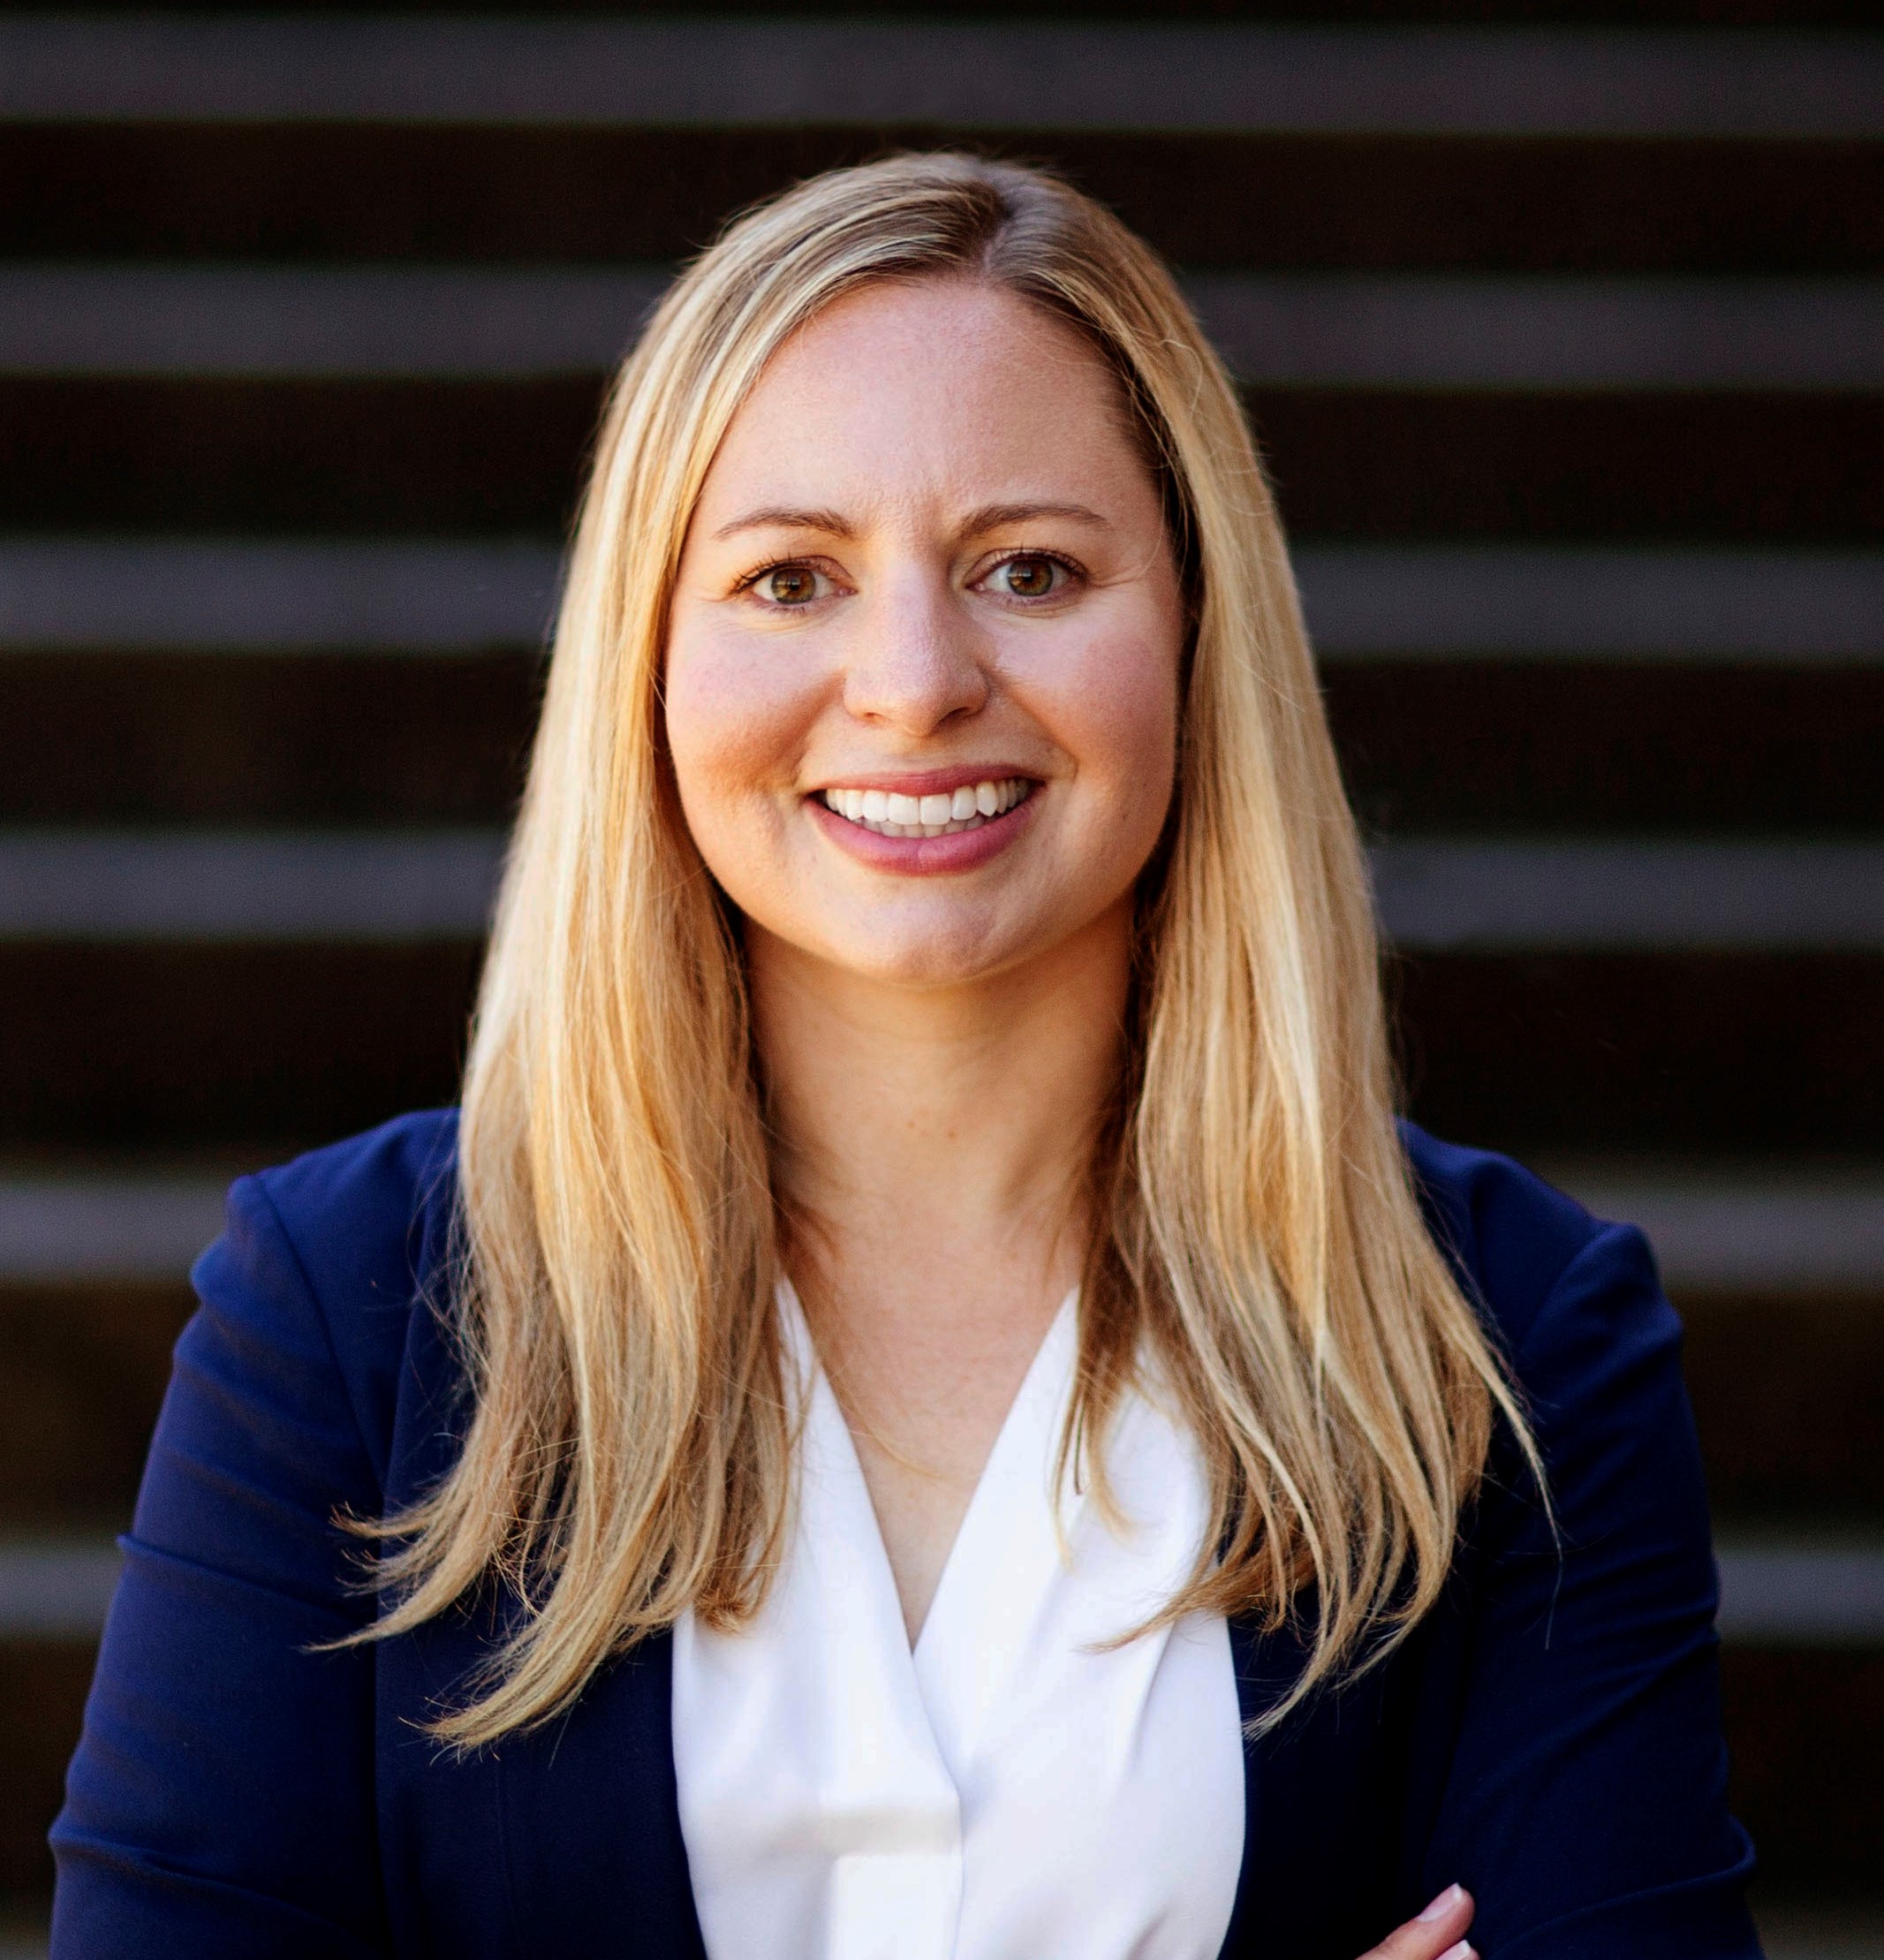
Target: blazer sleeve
<point x="220" y="1800"/>
<point x="1585" y="1804"/>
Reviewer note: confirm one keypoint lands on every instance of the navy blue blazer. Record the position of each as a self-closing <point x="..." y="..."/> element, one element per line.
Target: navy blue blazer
<point x="1549" y="1736"/>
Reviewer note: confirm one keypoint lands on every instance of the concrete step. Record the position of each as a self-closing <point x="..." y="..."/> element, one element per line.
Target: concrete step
<point x="1608" y="746"/>
<point x="138" y="1044"/>
<point x="1435" y="894"/>
<point x="1804" y="1727"/>
<point x="1296" y="329"/>
<point x="245" y="1047"/>
<point x="1795" y="1932"/>
<point x="1547" y="1052"/>
<point x="1789" y="1394"/>
<point x="1693" y="748"/>
<point x="173" y="739"/>
<point x="984" y="74"/>
<point x="82" y="1370"/>
<point x="462" y="455"/>
<point x="42" y="1690"/>
<point x="1461" y="599"/>
<point x="1364" y="198"/>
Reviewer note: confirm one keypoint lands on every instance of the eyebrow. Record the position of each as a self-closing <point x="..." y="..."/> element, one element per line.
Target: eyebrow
<point x="990" y="516"/>
<point x="783" y="516"/>
<point x="993" y="517"/>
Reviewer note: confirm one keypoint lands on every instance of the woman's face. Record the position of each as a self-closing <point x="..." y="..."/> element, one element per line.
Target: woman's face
<point x="922" y="668"/>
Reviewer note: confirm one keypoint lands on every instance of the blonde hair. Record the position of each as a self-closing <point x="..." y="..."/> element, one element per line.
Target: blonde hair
<point x="628" y="1451"/>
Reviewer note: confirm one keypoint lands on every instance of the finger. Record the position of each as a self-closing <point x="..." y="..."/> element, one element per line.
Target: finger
<point x="1436" y="1935"/>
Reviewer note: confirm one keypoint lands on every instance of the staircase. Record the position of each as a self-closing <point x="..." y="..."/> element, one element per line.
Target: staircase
<point x="1565" y="344"/>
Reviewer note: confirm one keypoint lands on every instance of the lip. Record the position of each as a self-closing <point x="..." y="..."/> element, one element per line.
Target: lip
<point x="927" y="857"/>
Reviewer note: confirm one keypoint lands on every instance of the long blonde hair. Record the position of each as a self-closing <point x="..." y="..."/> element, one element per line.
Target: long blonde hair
<point x="627" y="1453"/>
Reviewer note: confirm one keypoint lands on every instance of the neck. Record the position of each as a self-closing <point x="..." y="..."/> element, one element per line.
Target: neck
<point x="927" y="1132"/>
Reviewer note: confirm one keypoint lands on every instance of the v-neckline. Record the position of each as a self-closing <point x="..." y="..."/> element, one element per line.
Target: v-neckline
<point x="836" y="1776"/>
<point x="1007" y="1547"/>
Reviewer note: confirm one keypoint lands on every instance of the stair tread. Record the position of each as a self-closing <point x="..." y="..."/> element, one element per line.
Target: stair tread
<point x="983" y="73"/>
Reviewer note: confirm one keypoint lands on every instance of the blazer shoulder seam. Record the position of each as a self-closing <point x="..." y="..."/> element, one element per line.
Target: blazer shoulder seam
<point x="305" y="1280"/>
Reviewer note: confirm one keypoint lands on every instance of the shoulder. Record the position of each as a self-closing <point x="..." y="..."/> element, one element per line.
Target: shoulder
<point x="1574" y="1301"/>
<point x="324" y="1263"/>
<point x="1577" y="1307"/>
<point x="1517" y="1244"/>
<point x="366" y="1217"/>
<point x="1581" y="1648"/>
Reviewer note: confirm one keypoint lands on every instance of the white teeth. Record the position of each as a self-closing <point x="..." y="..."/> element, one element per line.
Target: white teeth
<point x="892" y="815"/>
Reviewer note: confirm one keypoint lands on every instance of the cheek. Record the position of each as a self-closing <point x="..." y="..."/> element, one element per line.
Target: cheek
<point x="736" y="714"/>
<point x="1117" y="717"/>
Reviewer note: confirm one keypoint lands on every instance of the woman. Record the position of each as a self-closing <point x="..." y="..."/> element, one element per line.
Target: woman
<point x="926" y="1409"/>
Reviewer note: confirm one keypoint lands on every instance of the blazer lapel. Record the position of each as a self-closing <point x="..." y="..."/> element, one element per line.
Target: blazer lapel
<point x="1318" y="1817"/>
<point x="589" y="1859"/>
<point x="592" y="1823"/>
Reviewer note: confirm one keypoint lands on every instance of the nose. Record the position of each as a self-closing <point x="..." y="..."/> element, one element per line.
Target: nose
<point x="915" y="663"/>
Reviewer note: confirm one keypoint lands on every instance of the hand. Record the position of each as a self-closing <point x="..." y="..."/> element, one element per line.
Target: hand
<point x="1437" y="1934"/>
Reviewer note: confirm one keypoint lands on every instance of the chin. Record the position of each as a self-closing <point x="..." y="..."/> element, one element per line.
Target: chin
<point x="957" y="951"/>
<point x="929" y="939"/>
<point x="933" y="959"/>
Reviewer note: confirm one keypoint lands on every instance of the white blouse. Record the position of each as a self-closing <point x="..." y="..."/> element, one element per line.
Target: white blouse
<point x="1004" y="1792"/>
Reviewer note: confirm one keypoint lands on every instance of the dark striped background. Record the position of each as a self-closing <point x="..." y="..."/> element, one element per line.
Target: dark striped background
<point x="1573" y="391"/>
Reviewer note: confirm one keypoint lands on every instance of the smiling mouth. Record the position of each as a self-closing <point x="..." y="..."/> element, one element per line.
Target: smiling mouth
<point x="890" y="814"/>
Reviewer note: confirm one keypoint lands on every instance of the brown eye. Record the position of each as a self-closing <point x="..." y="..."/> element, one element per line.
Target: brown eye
<point x="790" y="585"/>
<point x="1029" y="577"/>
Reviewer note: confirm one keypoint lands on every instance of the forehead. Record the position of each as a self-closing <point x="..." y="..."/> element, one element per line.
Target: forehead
<point x="946" y="386"/>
